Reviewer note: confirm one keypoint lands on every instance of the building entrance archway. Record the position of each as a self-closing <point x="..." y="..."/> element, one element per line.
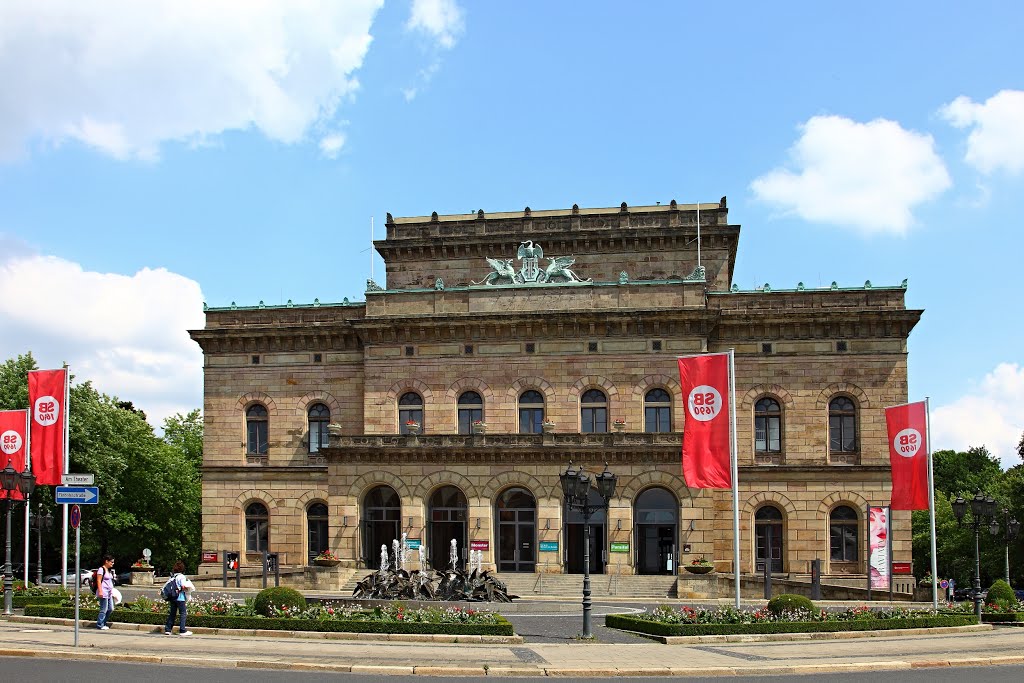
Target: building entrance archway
<point x="656" y="517"/>
<point x="382" y="523"/>
<point x="516" y="513"/>
<point x="447" y="512"/>
<point x="768" y="546"/>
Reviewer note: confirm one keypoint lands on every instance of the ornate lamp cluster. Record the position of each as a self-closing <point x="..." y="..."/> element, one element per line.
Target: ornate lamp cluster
<point x="984" y="512"/>
<point x="11" y="480"/>
<point x="576" y="490"/>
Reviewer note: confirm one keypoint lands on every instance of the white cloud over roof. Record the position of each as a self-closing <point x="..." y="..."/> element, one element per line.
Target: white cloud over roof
<point x="126" y="333"/>
<point x="126" y="76"/>
<point x="996" y="140"/>
<point x="985" y="415"/>
<point x="868" y="176"/>
<point x="441" y="19"/>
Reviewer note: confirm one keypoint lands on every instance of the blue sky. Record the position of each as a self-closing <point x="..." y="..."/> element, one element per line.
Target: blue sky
<point x="157" y="155"/>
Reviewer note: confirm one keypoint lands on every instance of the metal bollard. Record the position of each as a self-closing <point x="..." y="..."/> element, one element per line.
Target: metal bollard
<point x="767" y="580"/>
<point x="816" y="579"/>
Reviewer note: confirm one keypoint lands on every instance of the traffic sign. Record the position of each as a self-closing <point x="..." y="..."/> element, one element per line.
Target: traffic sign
<point x="77" y="479"/>
<point x="83" y="495"/>
<point x="75" y="516"/>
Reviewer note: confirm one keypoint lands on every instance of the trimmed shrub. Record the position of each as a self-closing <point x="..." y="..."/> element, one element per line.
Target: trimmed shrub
<point x="1001" y="594"/>
<point x="281" y="596"/>
<point x="629" y="622"/>
<point x="502" y="628"/>
<point x="20" y="601"/>
<point x="1001" y="617"/>
<point x="787" y="602"/>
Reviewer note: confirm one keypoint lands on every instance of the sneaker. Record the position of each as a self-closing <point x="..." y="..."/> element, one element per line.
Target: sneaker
<point x="167" y="633"/>
<point x="104" y="628"/>
<point x="185" y="633"/>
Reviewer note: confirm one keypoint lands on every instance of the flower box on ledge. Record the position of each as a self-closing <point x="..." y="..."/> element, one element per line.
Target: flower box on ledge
<point x="479" y="427"/>
<point x="700" y="567"/>
<point x="619" y="426"/>
<point x="322" y="562"/>
<point x="412" y="428"/>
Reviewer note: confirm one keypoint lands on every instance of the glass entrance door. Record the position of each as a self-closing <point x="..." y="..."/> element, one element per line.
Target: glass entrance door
<point x="448" y="511"/>
<point x="574" y="534"/>
<point x="656" y="550"/>
<point x="516" y="513"/>
<point x="382" y="520"/>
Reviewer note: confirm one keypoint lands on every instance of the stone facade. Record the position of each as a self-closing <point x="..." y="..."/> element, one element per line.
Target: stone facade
<point x="433" y="334"/>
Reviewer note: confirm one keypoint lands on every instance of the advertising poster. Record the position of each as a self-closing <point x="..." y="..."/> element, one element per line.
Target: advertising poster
<point x="878" y="546"/>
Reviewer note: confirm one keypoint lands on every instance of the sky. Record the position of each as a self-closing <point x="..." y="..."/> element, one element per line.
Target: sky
<point x="155" y="156"/>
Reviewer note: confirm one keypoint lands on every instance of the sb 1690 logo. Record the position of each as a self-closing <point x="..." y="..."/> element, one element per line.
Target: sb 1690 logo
<point x="907" y="442"/>
<point x="704" y="403"/>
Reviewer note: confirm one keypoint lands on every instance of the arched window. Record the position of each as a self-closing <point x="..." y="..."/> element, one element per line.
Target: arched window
<point x="842" y="534"/>
<point x="316" y="530"/>
<point x="531" y="412"/>
<point x="768" y="541"/>
<point x="319" y="418"/>
<point x="767" y="426"/>
<point x="593" y="412"/>
<point x="842" y="425"/>
<point x="410" y="409"/>
<point x="655" y="519"/>
<point x="657" y="411"/>
<point x="471" y="409"/>
<point x="257" y="528"/>
<point x="256" y="426"/>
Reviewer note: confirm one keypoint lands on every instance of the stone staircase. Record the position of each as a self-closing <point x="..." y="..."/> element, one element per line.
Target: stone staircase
<point x="601" y="585"/>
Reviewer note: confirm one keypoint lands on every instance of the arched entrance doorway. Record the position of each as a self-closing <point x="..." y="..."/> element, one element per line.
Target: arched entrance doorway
<point x="656" y="517"/>
<point x="574" y="536"/>
<point x="447" y="513"/>
<point x="516" y="513"/>
<point x="382" y="523"/>
<point x="768" y="539"/>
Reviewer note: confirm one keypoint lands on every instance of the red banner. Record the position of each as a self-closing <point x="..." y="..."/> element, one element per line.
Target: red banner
<point x="12" y="443"/>
<point x="706" y="449"/>
<point x="908" y="455"/>
<point x="46" y="391"/>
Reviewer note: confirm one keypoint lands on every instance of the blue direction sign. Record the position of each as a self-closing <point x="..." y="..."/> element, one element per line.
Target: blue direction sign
<point x="82" y="495"/>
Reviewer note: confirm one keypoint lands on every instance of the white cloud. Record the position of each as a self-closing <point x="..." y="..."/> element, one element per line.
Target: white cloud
<point x="865" y="175"/>
<point x="126" y="333"/>
<point x="996" y="140"/>
<point x="126" y="76"/>
<point x="440" y="19"/>
<point x="987" y="415"/>
<point x="331" y="144"/>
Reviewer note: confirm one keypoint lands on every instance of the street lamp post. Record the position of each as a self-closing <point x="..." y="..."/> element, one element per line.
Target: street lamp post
<point x="1010" y="528"/>
<point x="576" y="489"/>
<point x="12" y="481"/>
<point x="43" y="524"/>
<point x="983" y="510"/>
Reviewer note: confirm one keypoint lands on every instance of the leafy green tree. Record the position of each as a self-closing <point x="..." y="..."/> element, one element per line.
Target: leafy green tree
<point x="962" y="472"/>
<point x="14" y="381"/>
<point x="185" y="434"/>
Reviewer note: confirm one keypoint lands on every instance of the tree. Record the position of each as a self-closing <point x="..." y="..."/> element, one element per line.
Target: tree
<point x="185" y="434"/>
<point x="14" y="381"/>
<point x="1020" y="446"/>
<point x="963" y="472"/>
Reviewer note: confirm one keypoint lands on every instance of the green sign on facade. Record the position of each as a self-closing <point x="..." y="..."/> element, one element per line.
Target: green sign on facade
<point x="620" y="547"/>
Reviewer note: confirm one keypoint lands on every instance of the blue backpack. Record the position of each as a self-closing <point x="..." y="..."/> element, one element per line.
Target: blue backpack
<point x="171" y="590"/>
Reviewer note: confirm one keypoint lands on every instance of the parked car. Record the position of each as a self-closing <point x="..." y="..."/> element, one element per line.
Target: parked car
<point x="55" y="578"/>
<point x="1020" y="594"/>
<point x="961" y="594"/>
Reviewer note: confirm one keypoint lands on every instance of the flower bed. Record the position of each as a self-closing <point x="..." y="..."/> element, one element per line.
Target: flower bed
<point x="20" y="601"/>
<point x="323" y="617"/>
<point x="687" y="621"/>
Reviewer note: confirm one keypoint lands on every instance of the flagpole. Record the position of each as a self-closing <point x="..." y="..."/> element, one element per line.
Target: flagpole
<point x="698" y="239"/>
<point x="931" y="504"/>
<point x="64" y="530"/>
<point x="734" y="457"/>
<point x="27" y="468"/>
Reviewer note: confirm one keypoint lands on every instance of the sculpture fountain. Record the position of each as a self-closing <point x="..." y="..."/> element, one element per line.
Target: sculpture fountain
<point x="394" y="582"/>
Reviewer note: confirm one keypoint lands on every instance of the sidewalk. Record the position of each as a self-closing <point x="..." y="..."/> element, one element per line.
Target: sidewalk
<point x="425" y="655"/>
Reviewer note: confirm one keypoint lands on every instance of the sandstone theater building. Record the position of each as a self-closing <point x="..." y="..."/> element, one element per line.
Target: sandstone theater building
<point x="446" y="405"/>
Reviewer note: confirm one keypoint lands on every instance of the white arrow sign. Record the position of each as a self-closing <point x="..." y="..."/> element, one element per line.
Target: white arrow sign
<point x="82" y="495"/>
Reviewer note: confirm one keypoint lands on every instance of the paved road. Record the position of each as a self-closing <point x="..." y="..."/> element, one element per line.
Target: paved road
<point x="23" y="669"/>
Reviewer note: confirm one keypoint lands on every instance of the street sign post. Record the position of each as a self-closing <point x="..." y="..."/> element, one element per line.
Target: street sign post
<point x="82" y="495"/>
<point x="77" y="479"/>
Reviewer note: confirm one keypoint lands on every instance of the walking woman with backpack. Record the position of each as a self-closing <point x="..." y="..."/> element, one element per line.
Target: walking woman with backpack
<point x="104" y="582"/>
<point x="176" y="592"/>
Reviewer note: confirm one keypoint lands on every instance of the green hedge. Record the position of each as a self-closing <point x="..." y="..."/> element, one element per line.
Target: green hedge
<point x="628" y="622"/>
<point x="503" y="628"/>
<point x="20" y="601"/>
<point x="994" y="618"/>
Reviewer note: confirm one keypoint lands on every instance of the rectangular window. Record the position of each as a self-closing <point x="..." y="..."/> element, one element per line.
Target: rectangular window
<point x="841" y="346"/>
<point x="592" y="347"/>
<point x="530" y="420"/>
<point x="531" y="347"/>
<point x="595" y="420"/>
<point x="318" y="358"/>
<point x="656" y="345"/>
<point x="257" y="438"/>
<point x="257" y="532"/>
<point x="766" y="348"/>
<point x="408" y="350"/>
<point x="255" y="360"/>
<point x="469" y="349"/>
